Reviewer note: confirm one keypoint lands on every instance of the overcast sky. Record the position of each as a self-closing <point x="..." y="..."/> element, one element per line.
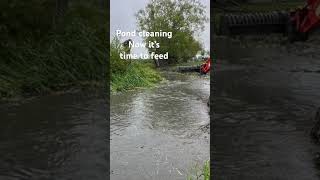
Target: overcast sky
<point x="122" y="16"/>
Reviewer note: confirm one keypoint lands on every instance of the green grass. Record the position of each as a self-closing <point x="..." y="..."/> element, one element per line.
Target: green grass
<point x="37" y="58"/>
<point x="130" y="74"/>
<point x="200" y="172"/>
<point x="136" y="75"/>
<point x="60" y="60"/>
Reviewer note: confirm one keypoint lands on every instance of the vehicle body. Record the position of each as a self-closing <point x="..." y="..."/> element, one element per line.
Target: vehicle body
<point x="304" y="20"/>
<point x="205" y="67"/>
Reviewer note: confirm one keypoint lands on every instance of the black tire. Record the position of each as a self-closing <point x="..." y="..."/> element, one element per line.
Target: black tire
<point x="293" y="34"/>
<point x="303" y="36"/>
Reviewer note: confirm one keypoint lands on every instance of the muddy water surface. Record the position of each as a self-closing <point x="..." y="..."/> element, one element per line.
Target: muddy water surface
<point x="158" y="133"/>
<point x="54" y="137"/>
<point x="263" y="104"/>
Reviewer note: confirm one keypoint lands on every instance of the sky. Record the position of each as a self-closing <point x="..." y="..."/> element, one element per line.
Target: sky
<point x="122" y="16"/>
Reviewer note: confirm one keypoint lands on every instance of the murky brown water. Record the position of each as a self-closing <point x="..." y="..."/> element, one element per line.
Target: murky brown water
<point x="54" y="137"/>
<point x="263" y="104"/>
<point x="156" y="133"/>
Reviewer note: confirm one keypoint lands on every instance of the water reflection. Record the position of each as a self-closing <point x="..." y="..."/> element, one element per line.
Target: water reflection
<point x="156" y="133"/>
<point x="262" y="114"/>
<point x="54" y="137"/>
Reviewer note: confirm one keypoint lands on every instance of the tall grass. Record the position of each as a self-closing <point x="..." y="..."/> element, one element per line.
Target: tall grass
<point x="136" y="75"/>
<point x="65" y="59"/>
<point x="47" y="59"/>
<point x="131" y="74"/>
<point x="202" y="173"/>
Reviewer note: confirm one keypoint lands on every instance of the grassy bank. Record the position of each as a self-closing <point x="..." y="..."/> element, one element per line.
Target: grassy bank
<point x="136" y="75"/>
<point x="200" y="172"/>
<point x="130" y="74"/>
<point x="39" y="56"/>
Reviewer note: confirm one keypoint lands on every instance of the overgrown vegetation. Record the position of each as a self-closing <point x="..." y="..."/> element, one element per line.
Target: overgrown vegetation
<point x="202" y="173"/>
<point x="126" y="74"/>
<point x="41" y="52"/>
<point x="183" y="18"/>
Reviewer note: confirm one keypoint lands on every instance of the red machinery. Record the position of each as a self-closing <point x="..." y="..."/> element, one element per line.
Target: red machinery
<point x="205" y="67"/>
<point x="302" y="21"/>
<point x="296" y="24"/>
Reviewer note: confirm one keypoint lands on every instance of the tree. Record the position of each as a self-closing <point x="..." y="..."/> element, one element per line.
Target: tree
<point x="184" y="18"/>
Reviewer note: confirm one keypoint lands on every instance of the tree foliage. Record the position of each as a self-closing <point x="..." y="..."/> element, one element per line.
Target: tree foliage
<point x="184" y="18"/>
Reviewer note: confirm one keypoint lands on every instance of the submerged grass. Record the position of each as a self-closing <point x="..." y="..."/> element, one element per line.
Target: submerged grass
<point x="202" y="173"/>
